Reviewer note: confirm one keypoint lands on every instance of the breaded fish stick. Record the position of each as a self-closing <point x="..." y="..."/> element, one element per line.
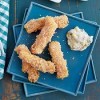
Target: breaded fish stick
<point x="35" y="61"/>
<point x="33" y="74"/>
<point x="58" y="60"/>
<point x="34" y="25"/>
<point x="45" y="36"/>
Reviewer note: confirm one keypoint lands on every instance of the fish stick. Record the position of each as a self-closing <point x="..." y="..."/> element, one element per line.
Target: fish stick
<point x="33" y="74"/>
<point x="45" y="36"/>
<point x="35" y="61"/>
<point x="58" y="60"/>
<point x="34" y="25"/>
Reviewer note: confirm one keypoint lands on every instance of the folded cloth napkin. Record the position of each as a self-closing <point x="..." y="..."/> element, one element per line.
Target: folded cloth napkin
<point x="4" y="20"/>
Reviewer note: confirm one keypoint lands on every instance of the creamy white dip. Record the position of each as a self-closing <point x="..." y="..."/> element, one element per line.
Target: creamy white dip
<point x="78" y="39"/>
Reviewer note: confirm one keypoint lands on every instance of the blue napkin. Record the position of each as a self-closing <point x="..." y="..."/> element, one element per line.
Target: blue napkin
<point x="4" y="20"/>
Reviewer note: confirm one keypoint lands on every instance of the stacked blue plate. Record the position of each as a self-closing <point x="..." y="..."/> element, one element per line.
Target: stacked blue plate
<point x="81" y="69"/>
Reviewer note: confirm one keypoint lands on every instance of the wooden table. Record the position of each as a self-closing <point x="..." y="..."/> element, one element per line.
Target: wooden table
<point x="10" y="90"/>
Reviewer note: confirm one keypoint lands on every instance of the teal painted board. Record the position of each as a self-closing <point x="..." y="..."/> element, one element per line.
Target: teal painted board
<point x="73" y="22"/>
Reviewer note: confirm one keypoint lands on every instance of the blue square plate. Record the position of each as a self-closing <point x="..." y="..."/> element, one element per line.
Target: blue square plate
<point x="17" y="28"/>
<point x="31" y="90"/>
<point x="91" y="75"/>
<point x="76" y="67"/>
<point x="40" y="90"/>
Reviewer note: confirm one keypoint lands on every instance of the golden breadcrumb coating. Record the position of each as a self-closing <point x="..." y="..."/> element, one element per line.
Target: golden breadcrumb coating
<point x="33" y="74"/>
<point x="45" y="36"/>
<point x="25" y="67"/>
<point x="58" y="60"/>
<point x="35" y="61"/>
<point x="61" y="21"/>
<point x="34" y="25"/>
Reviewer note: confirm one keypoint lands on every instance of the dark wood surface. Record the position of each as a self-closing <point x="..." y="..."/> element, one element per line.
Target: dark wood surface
<point x="10" y="90"/>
